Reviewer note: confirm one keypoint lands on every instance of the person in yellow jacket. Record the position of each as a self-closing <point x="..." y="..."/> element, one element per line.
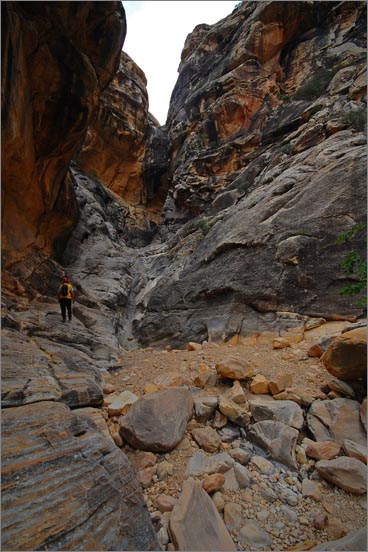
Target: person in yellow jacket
<point x="66" y="296"/>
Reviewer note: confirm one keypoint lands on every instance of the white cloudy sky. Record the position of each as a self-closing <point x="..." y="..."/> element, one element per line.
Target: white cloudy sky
<point x="156" y="32"/>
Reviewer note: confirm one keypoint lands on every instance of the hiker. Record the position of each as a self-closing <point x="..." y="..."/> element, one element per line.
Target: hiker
<point x="65" y="297"/>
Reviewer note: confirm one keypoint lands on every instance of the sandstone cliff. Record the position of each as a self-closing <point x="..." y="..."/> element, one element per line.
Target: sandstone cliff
<point x="127" y="150"/>
<point x="56" y="58"/>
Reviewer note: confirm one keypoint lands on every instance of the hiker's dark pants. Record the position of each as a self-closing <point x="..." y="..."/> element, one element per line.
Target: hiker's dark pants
<point x="64" y="305"/>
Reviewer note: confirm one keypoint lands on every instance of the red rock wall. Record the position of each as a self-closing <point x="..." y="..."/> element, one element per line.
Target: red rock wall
<point x="56" y="58"/>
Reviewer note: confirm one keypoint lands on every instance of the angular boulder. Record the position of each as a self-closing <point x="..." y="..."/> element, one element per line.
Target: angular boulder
<point x="195" y="523"/>
<point x="347" y="473"/>
<point x="235" y="369"/>
<point x="201" y="464"/>
<point x="61" y="476"/>
<point x="346" y="356"/>
<point x="286" y="412"/>
<point x="355" y="450"/>
<point x="236" y="413"/>
<point x="336" y="420"/>
<point x="276" y="438"/>
<point x="157" y="421"/>
<point x="207" y="438"/>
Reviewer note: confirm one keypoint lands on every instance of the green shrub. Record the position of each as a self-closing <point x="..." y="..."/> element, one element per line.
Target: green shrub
<point x="315" y="86"/>
<point x="354" y="264"/>
<point x="356" y="119"/>
<point x="205" y="225"/>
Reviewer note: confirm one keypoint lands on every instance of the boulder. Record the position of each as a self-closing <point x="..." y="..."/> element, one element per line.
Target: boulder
<point x="195" y="523"/>
<point x="236" y="393"/>
<point x="122" y="403"/>
<point x="277" y="439"/>
<point x="232" y="515"/>
<point x="336" y="420"/>
<point x="346" y="356"/>
<point x="347" y="473"/>
<point x="235" y="369"/>
<point x="207" y="438"/>
<point x="236" y="413"/>
<point x="323" y="450"/>
<point x="259" y="385"/>
<point x="280" y="383"/>
<point x="61" y="475"/>
<point x="204" y="408"/>
<point x="201" y="464"/>
<point x="355" y="541"/>
<point x="157" y="422"/>
<point x="213" y="483"/>
<point x="287" y="412"/>
<point x="355" y="450"/>
<point x="252" y="535"/>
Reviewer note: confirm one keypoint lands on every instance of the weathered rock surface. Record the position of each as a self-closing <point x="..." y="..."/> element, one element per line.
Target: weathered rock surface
<point x="353" y="541"/>
<point x="349" y="474"/>
<point x="127" y="150"/>
<point x="346" y="356"/>
<point x="157" y="422"/>
<point x="195" y="524"/>
<point x="52" y="74"/>
<point x="276" y="438"/>
<point x="235" y="369"/>
<point x="337" y="420"/>
<point x="286" y="412"/>
<point x="61" y="477"/>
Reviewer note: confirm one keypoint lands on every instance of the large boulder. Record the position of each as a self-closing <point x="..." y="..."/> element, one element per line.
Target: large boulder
<point x="277" y="439"/>
<point x="62" y="475"/>
<point x="195" y="523"/>
<point x="157" y="421"/>
<point x="347" y="473"/>
<point x="336" y="420"/>
<point x="355" y="541"/>
<point x="286" y="412"/>
<point x="346" y="357"/>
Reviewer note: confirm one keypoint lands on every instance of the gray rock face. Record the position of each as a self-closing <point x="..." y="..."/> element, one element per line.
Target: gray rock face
<point x="157" y="422"/>
<point x="195" y="524"/>
<point x="61" y="477"/>
<point x="286" y="412"/>
<point x="276" y="438"/>
<point x="337" y="419"/>
<point x="355" y="541"/>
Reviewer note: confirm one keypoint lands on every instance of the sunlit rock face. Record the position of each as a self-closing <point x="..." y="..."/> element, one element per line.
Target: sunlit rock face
<point x="56" y="58"/>
<point x="126" y="148"/>
<point x="233" y="77"/>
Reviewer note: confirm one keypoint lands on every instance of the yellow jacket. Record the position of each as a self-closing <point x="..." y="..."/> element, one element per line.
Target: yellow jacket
<point x="70" y="294"/>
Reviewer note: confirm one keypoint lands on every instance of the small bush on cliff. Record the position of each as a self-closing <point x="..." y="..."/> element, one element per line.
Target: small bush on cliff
<point x="316" y="85"/>
<point x="356" y="119"/>
<point x="353" y="264"/>
<point x="205" y="225"/>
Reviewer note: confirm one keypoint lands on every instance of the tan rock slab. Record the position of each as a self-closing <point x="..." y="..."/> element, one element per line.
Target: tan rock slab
<point x="122" y="403"/>
<point x="235" y="369"/>
<point x="323" y="450"/>
<point x="346" y="356"/>
<point x="207" y="438"/>
<point x="236" y="413"/>
<point x="280" y="383"/>
<point x="236" y="393"/>
<point x="259" y="385"/>
<point x="195" y="523"/>
<point x="141" y="460"/>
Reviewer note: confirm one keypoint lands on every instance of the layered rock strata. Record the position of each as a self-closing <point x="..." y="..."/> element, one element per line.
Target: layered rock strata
<point x="127" y="150"/>
<point x="56" y="58"/>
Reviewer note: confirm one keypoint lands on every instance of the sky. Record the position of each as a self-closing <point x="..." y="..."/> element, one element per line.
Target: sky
<point x="156" y="32"/>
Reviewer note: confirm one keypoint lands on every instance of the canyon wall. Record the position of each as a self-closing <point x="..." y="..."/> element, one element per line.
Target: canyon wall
<point x="127" y="150"/>
<point x="56" y="59"/>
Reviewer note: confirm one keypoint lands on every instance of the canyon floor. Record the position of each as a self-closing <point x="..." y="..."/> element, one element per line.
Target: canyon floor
<point x="288" y="527"/>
